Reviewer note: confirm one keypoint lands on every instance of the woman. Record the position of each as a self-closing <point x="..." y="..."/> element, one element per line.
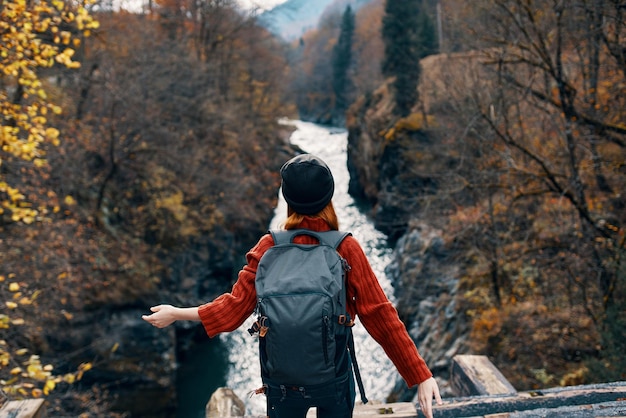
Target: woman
<point x="308" y="187"/>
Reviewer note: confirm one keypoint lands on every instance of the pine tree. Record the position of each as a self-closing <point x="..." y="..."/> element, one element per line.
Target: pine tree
<point x="342" y="58"/>
<point x="408" y="35"/>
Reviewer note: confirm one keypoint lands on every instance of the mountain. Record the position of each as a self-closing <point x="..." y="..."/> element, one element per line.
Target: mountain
<point x="293" y="18"/>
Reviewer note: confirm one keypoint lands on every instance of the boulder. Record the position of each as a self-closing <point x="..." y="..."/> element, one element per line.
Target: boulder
<point x="224" y="403"/>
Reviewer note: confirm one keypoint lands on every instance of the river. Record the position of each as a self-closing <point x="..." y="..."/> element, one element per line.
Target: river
<point x="239" y="368"/>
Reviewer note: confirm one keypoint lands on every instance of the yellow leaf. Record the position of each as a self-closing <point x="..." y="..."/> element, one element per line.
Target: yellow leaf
<point x="85" y="367"/>
<point x="14" y="287"/>
<point x="69" y="378"/>
<point x="115" y="347"/>
<point x="48" y="387"/>
<point x="52" y="133"/>
<point x="16" y="370"/>
<point x="11" y="305"/>
<point x="25" y="301"/>
<point x="69" y="200"/>
<point x="21" y="351"/>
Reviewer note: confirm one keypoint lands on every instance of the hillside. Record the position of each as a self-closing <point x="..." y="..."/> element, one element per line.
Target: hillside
<point x="161" y="171"/>
<point x="488" y="270"/>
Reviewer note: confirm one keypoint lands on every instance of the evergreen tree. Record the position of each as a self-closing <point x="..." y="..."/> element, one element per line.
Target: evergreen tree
<point x="408" y="35"/>
<point x="341" y="60"/>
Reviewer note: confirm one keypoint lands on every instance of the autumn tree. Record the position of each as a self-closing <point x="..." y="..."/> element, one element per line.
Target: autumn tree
<point x="311" y="60"/>
<point x="585" y="101"/>
<point x="36" y="36"/>
<point x="170" y="150"/>
<point x="408" y="34"/>
<point x="221" y="93"/>
<point x="341" y="61"/>
<point x="542" y="103"/>
<point x="166" y="131"/>
<point x="368" y="48"/>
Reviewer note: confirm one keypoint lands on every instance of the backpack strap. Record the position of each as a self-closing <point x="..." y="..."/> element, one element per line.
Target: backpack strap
<point x="355" y="367"/>
<point x="330" y="238"/>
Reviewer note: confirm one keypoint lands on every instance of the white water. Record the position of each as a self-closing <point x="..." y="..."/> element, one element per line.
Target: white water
<point x="378" y="373"/>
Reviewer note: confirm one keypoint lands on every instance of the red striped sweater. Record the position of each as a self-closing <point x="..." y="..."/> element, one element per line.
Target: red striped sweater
<point x="366" y="299"/>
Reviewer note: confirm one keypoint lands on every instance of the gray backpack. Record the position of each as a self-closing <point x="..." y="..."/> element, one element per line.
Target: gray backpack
<point x="305" y="334"/>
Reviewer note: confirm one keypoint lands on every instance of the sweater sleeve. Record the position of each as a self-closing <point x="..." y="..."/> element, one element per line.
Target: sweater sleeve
<point x="228" y="311"/>
<point x="379" y="317"/>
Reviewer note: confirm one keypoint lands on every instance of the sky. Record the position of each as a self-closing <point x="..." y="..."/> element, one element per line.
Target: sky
<point x="136" y="5"/>
<point x="264" y="4"/>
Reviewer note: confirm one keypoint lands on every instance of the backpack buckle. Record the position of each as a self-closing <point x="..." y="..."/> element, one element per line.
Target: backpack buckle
<point x="254" y="328"/>
<point x="345" y="320"/>
<point x="261" y="326"/>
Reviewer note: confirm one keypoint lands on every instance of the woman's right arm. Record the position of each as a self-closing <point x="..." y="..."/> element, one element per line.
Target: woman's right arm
<point x="228" y="310"/>
<point x="164" y="315"/>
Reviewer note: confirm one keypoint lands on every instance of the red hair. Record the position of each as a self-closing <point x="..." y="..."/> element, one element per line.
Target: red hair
<point x="294" y="219"/>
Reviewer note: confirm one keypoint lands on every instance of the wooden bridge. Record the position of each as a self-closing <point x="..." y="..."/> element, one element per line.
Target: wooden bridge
<point x="484" y="393"/>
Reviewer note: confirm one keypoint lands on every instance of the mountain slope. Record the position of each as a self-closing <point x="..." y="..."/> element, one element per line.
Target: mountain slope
<point x="293" y="18"/>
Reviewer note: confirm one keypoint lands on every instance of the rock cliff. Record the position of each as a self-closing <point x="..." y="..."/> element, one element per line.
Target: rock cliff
<point x="391" y="162"/>
<point x="133" y="366"/>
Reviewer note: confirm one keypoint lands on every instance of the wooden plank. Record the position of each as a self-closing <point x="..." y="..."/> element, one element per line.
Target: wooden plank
<point x="399" y="409"/>
<point x="28" y="408"/>
<point x="480" y="406"/>
<point x="474" y="375"/>
<point x="599" y="410"/>
<point x="588" y="401"/>
<point x="395" y="410"/>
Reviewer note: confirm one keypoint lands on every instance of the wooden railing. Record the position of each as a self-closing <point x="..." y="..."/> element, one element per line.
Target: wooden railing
<point x="28" y="408"/>
<point x="482" y="392"/>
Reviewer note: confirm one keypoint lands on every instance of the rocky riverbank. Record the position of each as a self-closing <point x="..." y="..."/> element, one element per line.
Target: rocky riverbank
<point x="133" y="366"/>
<point x="386" y="173"/>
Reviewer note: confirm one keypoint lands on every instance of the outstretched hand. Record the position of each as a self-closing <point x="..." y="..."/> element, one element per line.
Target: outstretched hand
<point x="426" y="391"/>
<point x="162" y="316"/>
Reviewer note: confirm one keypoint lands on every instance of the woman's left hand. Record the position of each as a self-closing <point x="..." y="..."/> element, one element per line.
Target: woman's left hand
<point x="426" y="391"/>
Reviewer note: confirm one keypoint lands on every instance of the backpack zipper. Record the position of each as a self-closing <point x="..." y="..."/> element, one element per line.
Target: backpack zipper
<point x="325" y="332"/>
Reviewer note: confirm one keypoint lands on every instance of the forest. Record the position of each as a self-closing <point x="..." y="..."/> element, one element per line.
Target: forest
<point x="140" y="153"/>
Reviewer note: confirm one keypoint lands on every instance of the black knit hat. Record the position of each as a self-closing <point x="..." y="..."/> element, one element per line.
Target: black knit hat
<point x="307" y="184"/>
